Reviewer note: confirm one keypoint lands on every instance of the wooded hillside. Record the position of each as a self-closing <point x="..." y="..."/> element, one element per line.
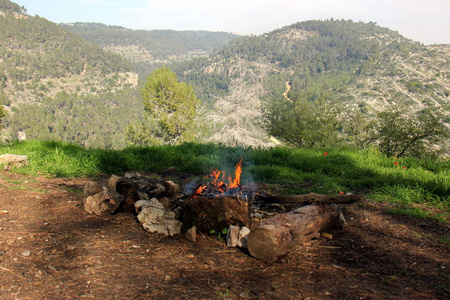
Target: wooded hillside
<point x="313" y="83"/>
<point x="55" y="85"/>
<point x="148" y="49"/>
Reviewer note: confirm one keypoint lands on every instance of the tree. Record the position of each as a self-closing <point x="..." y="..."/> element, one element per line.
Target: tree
<point x="359" y="127"/>
<point x="410" y="133"/>
<point x="172" y="111"/>
<point x="304" y="123"/>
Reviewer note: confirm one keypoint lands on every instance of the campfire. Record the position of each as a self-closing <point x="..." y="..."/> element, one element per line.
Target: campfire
<point x="223" y="203"/>
<point x="221" y="184"/>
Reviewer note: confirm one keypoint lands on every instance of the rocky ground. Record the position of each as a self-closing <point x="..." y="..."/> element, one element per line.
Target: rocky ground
<point x="50" y="248"/>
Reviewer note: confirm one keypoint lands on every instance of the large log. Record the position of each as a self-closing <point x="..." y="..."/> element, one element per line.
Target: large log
<point x="215" y="213"/>
<point x="279" y="235"/>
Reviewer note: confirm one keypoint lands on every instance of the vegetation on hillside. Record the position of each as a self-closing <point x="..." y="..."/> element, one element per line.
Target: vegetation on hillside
<point x="337" y="71"/>
<point x="150" y="49"/>
<point x="6" y="5"/>
<point x="33" y="48"/>
<point x="314" y="83"/>
<point x="57" y="86"/>
<point x="88" y="120"/>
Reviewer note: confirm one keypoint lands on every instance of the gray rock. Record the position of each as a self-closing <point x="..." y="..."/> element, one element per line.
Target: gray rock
<point x="166" y="226"/>
<point x="112" y="182"/>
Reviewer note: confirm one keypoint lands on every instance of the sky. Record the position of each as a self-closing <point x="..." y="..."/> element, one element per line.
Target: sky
<point x="425" y="21"/>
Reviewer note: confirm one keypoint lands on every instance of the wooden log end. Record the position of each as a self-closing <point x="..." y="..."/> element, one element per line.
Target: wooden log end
<point x="262" y="244"/>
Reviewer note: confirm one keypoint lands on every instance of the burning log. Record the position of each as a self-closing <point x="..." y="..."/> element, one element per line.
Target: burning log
<point x="217" y="205"/>
<point x="216" y="213"/>
<point x="278" y="235"/>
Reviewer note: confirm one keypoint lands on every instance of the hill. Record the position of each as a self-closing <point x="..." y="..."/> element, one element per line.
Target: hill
<point x="148" y="49"/>
<point x="55" y="85"/>
<point x="363" y="66"/>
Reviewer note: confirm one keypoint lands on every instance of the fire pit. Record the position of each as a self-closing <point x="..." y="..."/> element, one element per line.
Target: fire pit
<point x="219" y="204"/>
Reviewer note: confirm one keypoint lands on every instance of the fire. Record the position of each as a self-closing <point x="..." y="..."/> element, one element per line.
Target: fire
<point x="221" y="182"/>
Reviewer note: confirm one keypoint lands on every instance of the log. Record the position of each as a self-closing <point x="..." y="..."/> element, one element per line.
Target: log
<point x="312" y="198"/>
<point x="279" y="235"/>
<point x="215" y="213"/>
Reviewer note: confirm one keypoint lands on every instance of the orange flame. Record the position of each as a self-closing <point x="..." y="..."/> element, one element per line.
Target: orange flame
<point x="237" y="175"/>
<point x="219" y="178"/>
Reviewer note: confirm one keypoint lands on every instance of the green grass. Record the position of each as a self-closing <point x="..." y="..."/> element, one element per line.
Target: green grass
<point x="408" y="182"/>
<point x="416" y="212"/>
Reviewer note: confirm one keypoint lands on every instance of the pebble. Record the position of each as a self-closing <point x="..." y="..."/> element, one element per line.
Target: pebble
<point x="26" y="253"/>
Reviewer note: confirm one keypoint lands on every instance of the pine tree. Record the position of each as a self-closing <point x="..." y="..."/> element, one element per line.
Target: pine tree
<point x="172" y="110"/>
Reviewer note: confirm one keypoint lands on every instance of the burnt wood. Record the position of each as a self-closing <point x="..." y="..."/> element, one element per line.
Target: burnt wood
<point x="215" y="213"/>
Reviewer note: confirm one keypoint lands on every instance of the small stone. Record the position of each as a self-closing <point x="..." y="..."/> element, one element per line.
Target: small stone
<point x="242" y="239"/>
<point x="71" y="248"/>
<point x="232" y="236"/>
<point x="26" y="253"/>
<point x="191" y="234"/>
<point x="105" y="202"/>
<point x="112" y="182"/>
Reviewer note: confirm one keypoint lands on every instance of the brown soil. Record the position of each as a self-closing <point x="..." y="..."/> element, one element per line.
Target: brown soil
<point x="51" y="249"/>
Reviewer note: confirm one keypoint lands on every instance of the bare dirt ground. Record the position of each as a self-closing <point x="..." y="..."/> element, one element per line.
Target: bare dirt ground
<point x="51" y="249"/>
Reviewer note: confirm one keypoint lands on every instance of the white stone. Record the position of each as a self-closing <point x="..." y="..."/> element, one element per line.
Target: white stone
<point x="242" y="239"/>
<point x="13" y="160"/>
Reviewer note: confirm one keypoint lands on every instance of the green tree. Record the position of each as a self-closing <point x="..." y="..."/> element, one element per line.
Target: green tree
<point x="172" y="110"/>
<point x="304" y="123"/>
<point x="401" y="132"/>
<point x="360" y="128"/>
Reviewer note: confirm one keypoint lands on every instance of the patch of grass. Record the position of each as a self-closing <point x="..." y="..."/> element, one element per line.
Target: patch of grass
<point x="416" y="212"/>
<point x="405" y="181"/>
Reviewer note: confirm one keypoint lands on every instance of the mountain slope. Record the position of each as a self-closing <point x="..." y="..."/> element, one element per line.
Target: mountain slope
<point x="45" y="70"/>
<point x="354" y="64"/>
<point x="147" y="49"/>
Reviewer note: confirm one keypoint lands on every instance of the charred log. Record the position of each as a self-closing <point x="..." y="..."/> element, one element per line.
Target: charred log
<point x="215" y="213"/>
